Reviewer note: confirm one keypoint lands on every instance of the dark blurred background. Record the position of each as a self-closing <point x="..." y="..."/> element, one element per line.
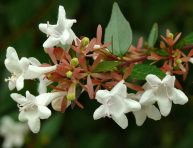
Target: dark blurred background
<point x="19" y="21"/>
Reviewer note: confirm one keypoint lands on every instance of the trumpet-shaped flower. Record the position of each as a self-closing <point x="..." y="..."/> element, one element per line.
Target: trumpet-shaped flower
<point x="163" y="92"/>
<point x="13" y="132"/>
<point x="61" y="33"/>
<point x="149" y="111"/>
<point x="32" y="108"/>
<point x="22" y="69"/>
<point x="115" y="104"/>
<point x="17" y="68"/>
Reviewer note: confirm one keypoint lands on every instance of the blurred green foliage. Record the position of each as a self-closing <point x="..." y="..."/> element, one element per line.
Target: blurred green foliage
<point x="19" y="21"/>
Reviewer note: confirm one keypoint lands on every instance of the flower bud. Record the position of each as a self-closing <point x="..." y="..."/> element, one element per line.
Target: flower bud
<point x="74" y="62"/>
<point x="71" y="97"/>
<point x="69" y="74"/>
<point x="178" y="61"/>
<point x="85" y="41"/>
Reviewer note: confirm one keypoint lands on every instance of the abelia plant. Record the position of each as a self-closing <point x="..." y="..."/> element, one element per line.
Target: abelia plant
<point x="109" y="72"/>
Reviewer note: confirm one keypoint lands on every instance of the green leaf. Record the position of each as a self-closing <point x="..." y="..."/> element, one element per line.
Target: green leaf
<point x="161" y="52"/>
<point x="187" y="40"/>
<point x="118" y="32"/>
<point x="153" y="35"/>
<point x="106" y="66"/>
<point x="140" y="71"/>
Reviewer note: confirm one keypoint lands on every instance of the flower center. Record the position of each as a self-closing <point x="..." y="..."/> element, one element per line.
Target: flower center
<point x="108" y="105"/>
<point x="27" y="106"/>
<point x="13" y="78"/>
<point x="167" y="93"/>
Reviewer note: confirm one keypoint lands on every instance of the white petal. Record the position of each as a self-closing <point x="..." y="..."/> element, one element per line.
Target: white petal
<point x="43" y="28"/>
<point x="103" y="96"/>
<point x="153" y="80"/>
<point x="169" y="80"/>
<point x="30" y="96"/>
<point x="152" y="112"/>
<point x="164" y="105"/>
<point x="178" y="97"/>
<point x="25" y="116"/>
<point x="64" y="37"/>
<point x="121" y="120"/>
<point x="51" y="42"/>
<point x="119" y="89"/>
<point x="34" y="61"/>
<point x="44" y="112"/>
<point x="73" y="37"/>
<point x="20" y="82"/>
<point x="132" y="105"/>
<point x="140" y="117"/>
<point x="24" y="62"/>
<point x="99" y="112"/>
<point x="117" y="105"/>
<point x="32" y="118"/>
<point x="148" y="97"/>
<point x="11" y="85"/>
<point x="18" y="98"/>
<point x="13" y="66"/>
<point x="61" y="14"/>
<point x="11" y="52"/>
<point x="34" y="124"/>
<point x="69" y="23"/>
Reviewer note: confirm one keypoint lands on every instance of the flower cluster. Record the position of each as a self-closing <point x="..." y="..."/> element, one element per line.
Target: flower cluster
<point x="107" y="72"/>
<point x="13" y="132"/>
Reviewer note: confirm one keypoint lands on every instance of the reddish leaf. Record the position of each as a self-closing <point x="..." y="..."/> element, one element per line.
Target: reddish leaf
<point x="89" y="87"/>
<point x="134" y="87"/>
<point x="99" y="35"/>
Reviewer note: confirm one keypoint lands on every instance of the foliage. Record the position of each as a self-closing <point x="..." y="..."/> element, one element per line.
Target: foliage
<point x="20" y="30"/>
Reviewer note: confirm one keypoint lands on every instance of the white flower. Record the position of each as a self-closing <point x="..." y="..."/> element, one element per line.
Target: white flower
<point x="115" y="104"/>
<point x="32" y="108"/>
<point x="59" y="33"/>
<point x="149" y="111"/>
<point x="21" y="69"/>
<point x="17" y="68"/>
<point x="13" y="132"/>
<point x="163" y="92"/>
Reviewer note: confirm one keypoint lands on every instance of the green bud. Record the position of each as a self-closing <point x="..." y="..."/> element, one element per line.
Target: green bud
<point x="170" y="35"/>
<point x="178" y="61"/>
<point x="85" y="41"/>
<point x="175" y="55"/>
<point x="69" y="74"/>
<point x="71" y="96"/>
<point x="74" y="62"/>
